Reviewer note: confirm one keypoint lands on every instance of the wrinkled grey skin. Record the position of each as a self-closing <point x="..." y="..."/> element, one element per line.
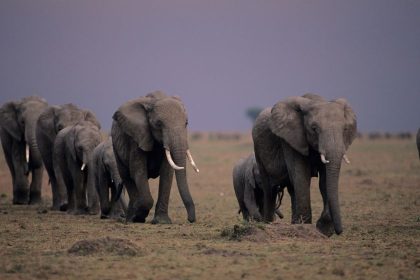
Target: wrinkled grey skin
<point x="49" y="124"/>
<point x="74" y="147"/>
<point x="17" y="129"/>
<point x="141" y="130"/>
<point x="288" y="141"/>
<point x="418" y="141"/>
<point x="107" y="178"/>
<point x="248" y="189"/>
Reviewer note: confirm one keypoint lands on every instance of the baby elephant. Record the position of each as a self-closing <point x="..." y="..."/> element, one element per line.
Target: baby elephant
<point x="107" y="178"/>
<point x="247" y="184"/>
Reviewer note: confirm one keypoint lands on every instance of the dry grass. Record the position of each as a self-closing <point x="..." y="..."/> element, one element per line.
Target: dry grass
<point x="380" y="200"/>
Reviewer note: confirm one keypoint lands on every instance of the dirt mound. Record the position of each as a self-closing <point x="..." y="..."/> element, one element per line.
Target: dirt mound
<point x="271" y="232"/>
<point x="107" y="245"/>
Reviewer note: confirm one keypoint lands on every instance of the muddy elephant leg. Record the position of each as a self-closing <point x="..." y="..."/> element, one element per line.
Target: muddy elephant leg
<point x="36" y="185"/>
<point x="324" y="223"/>
<point x="165" y="184"/>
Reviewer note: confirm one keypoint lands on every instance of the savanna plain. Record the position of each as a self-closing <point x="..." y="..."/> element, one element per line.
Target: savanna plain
<point x="380" y="205"/>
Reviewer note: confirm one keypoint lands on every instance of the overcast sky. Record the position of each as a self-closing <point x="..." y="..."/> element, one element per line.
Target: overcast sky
<point x="221" y="57"/>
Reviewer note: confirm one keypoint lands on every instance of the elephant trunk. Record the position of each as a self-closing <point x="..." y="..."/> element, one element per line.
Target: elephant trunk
<point x="178" y="149"/>
<point x="332" y="177"/>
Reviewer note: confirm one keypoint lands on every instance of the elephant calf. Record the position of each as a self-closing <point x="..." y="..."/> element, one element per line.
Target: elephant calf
<point x="72" y="156"/>
<point x="107" y="178"/>
<point x="248" y="189"/>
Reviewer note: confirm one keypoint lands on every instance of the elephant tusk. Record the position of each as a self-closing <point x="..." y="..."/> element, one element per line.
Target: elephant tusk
<point x="190" y="158"/>
<point x="83" y="166"/>
<point x="171" y="162"/>
<point x="324" y="161"/>
<point x="27" y="153"/>
<point x="346" y="159"/>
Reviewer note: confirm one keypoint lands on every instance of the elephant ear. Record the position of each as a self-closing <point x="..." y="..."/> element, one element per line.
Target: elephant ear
<point x="350" y="126"/>
<point x="132" y="119"/>
<point x="9" y="120"/>
<point x="286" y="122"/>
<point x="90" y="117"/>
<point x="45" y="121"/>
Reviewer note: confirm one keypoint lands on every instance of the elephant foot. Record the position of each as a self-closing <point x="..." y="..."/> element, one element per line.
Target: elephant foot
<point x="20" y="197"/>
<point x="139" y="216"/>
<point x="64" y="207"/>
<point x="161" y="219"/>
<point x="35" y="198"/>
<point x="325" y="227"/>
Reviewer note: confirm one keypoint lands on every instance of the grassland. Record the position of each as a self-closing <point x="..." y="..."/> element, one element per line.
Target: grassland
<point x="380" y="203"/>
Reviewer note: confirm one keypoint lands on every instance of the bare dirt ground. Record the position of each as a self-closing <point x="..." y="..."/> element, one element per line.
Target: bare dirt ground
<point x="380" y="204"/>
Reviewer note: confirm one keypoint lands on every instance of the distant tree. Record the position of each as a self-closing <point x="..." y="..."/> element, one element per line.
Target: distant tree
<point x="253" y="112"/>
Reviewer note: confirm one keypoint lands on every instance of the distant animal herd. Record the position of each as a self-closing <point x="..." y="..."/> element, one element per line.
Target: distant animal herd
<point x="296" y="139"/>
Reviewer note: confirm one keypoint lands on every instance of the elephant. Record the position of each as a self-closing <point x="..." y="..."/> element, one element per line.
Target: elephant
<point x="300" y="138"/>
<point x="72" y="160"/>
<point x="17" y="133"/>
<point x="107" y="178"/>
<point x="248" y="189"/>
<point x="149" y="136"/>
<point x="52" y="120"/>
<point x="418" y="141"/>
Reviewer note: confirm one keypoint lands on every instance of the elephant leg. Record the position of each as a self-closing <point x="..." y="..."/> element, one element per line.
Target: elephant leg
<point x="103" y="192"/>
<point x="291" y="192"/>
<point x="7" y="145"/>
<point x="144" y="202"/>
<point x="251" y="204"/>
<point x="58" y="186"/>
<point x="299" y="171"/>
<point x="36" y="185"/>
<point x="269" y="197"/>
<point x="324" y="223"/>
<point x="79" y="183"/>
<point x="21" y="183"/>
<point x="165" y="184"/>
<point x="68" y="182"/>
<point x="115" y="205"/>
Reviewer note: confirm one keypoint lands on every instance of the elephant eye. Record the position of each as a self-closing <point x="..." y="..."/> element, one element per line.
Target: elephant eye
<point x="315" y="127"/>
<point x="186" y="123"/>
<point x="60" y="127"/>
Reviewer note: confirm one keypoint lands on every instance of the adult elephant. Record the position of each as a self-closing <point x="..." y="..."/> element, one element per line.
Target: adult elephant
<point x="107" y="177"/>
<point x="72" y="157"/>
<point x="149" y="137"/>
<point x="300" y="138"/>
<point x="49" y="124"/>
<point x="17" y="133"/>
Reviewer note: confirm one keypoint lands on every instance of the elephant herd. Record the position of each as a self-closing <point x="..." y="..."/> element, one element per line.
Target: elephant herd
<point x="296" y="139"/>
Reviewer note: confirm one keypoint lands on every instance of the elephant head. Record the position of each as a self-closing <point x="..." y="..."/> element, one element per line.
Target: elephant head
<point x="19" y="120"/>
<point x="157" y="119"/>
<point x="310" y="123"/>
